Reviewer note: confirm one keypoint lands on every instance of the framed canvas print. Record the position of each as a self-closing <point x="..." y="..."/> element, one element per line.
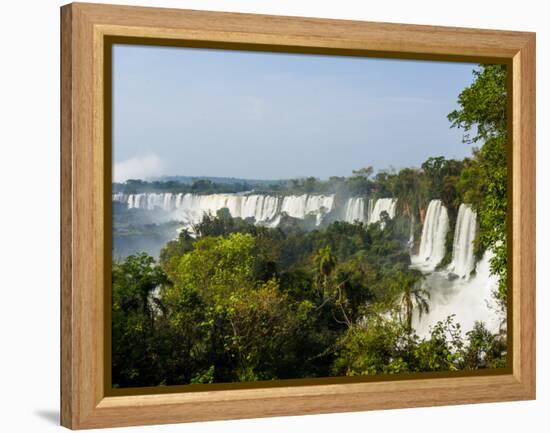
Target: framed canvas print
<point x="270" y="216"/>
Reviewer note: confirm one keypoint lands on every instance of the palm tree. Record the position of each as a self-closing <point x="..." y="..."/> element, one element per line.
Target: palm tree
<point x="325" y="263"/>
<point x="411" y="294"/>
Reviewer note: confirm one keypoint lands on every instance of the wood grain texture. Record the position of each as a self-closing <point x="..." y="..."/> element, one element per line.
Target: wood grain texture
<point x="524" y="216"/>
<point x="67" y="394"/>
<point x="307" y="32"/>
<point x="83" y="157"/>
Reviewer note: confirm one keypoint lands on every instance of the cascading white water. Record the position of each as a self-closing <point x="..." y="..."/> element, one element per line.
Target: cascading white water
<point x="138" y="201"/>
<point x="382" y="205"/>
<point x="299" y="206"/>
<point x="192" y="207"/>
<point x="168" y="202"/>
<point x="370" y="206"/>
<point x="434" y="233"/>
<point x="120" y="197"/>
<point x="354" y="210"/>
<point x="463" y="262"/>
<point x="469" y="300"/>
<point x="265" y="209"/>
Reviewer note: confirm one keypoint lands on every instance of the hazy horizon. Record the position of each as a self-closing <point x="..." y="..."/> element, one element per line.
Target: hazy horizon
<point x="262" y="179"/>
<point x="269" y="116"/>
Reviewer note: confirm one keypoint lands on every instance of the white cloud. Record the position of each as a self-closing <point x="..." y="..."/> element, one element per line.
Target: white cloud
<point x="138" y="168"/>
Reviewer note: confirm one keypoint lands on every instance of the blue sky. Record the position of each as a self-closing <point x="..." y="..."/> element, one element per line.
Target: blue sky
<point x="194" y="112"/>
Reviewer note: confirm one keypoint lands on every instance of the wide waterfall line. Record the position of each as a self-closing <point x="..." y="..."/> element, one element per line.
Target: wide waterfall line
<point x="265" y="209"/>
<point x="192" y="207"/>
<point x="463" y="261"/>
<point x="432" y="242"/>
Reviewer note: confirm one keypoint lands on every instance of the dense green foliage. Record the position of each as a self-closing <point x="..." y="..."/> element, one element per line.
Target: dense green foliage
<point x="385" y="347"/>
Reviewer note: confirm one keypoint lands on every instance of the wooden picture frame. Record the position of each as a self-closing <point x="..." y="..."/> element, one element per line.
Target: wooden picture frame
<point x="85" y="178"/>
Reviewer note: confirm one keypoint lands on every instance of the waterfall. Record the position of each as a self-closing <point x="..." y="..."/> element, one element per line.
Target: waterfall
<point x="382" y="205"/>
<point x="432" y="241"/>
<point x="192" y="207"/>
<point x="469" y="300"/>
<point x="299" y="206"/>
<point x="265" y="209"/>
<point x="468" y="297"/>
<point x="138" y="201"/>
<point x="463" y="262"/>
<point x="370" y="206"/>
<point x="354" y="210"/>
<point x="120" y="197"/>
<point x="168" y="201"/>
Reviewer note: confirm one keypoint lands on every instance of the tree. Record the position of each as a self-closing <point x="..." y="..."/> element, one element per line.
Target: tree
<point x="442" y="351"/>
<point x="174" y="249"/>
<point x="221" y="224"/>
<point x="410" y="187"/>
<point x="378" y="347"/>
<point x="355" y="278"/>
<point x="135" y="309"/>
<point x="483" y="105"/>
<point x="442" y="174"/>
<point x="262" y="325"/>
<point x="217" y="266"/>
<point x="325" y="263"/>
<point x="202" y="185"/>
<point x="365" y="172"/>
<point x="185" y="341"/>
<point x="310" y="184"/>
<point x="410" y="294"/>
<point x="482" y="115"/>
<point x="484" y="350"/>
